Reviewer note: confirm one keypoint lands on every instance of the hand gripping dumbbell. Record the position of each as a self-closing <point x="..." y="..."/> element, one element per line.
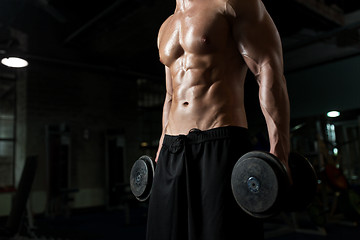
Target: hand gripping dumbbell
<point x="261" y="185"/>
<point x="141" y="178"/>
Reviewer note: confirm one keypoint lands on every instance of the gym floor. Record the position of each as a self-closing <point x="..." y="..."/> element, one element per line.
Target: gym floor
<point x="116" y="224"/>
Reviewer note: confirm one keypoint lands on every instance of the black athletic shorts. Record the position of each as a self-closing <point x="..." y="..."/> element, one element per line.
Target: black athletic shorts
<point x="191" y="195"/>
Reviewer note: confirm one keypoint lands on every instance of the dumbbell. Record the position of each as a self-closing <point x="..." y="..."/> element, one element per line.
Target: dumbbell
<point x="141" y="178"/>
<point x="259" y="183"/>
<point x="261" y="186"/>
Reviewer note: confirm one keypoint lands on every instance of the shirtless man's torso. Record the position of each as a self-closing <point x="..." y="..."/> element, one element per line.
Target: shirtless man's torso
<point x="207" y="47"/>
<point x="205" y="72"/>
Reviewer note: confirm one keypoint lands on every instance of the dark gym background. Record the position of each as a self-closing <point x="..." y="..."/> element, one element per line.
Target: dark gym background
<point x="89" y="104"/>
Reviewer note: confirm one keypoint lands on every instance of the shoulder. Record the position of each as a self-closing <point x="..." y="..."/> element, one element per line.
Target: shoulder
<point x="166" y="22"/>
<point x="244" y="8"/>
<point x="164" y="26"/>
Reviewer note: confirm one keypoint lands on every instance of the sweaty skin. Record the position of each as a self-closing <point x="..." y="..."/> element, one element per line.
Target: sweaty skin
<point x="207" y="46"/>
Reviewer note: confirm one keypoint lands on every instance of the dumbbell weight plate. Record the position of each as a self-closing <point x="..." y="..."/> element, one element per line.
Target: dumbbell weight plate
<point x="141" y="178"/>
<point x="257" y="183"/>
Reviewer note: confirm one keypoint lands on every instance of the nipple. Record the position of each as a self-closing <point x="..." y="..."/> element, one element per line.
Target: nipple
<point x="204" y="40"/>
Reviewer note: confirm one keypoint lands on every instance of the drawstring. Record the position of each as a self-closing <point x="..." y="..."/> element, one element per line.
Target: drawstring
<point x="181" y="140"/>
<point x="178" y="144"/>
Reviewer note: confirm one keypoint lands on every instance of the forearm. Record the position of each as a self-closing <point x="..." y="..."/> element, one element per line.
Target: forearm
<point x="165" y="119"/>
<point x="160" y="145"/>
<point x="274" y="102"/>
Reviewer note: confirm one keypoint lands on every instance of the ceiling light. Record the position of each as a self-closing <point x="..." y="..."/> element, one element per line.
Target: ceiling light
<point x="14" y="62"/>
<point x="333" y="114"/>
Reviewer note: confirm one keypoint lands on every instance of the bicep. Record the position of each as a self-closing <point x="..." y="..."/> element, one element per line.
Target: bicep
<point x="257" y="39"/>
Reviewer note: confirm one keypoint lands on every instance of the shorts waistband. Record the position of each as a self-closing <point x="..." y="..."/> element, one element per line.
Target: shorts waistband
<point x="198" y="136"/>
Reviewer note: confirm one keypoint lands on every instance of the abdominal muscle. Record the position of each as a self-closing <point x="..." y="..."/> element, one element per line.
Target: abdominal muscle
<point x="207" y="93"/>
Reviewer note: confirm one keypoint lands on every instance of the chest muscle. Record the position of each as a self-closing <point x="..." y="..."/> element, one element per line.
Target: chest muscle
<point x="196" y="31"/>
